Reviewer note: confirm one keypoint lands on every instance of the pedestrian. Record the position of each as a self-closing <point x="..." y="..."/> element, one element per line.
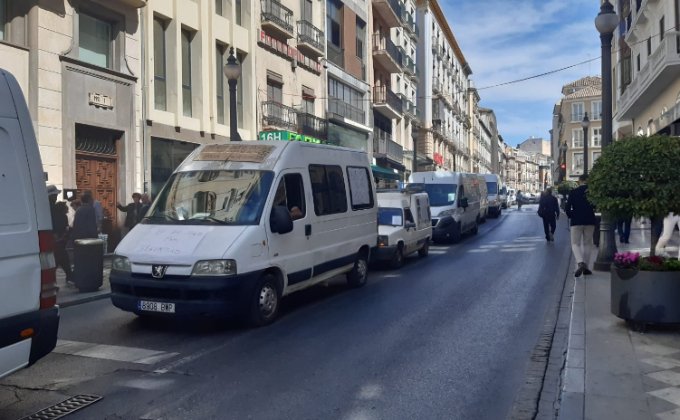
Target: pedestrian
<point x="549" y="211"/>
<point x="146" y="204"/>
<point x="60" y="229"/>
<point x="520" y="198"/>
<point x="623" y="228"/>
<point x="85" y="220"/>
<point x="98" y="210"/>
<point x="669" y="223"/>
<point x="581" y="213"/>
<point x="132" y="212"/>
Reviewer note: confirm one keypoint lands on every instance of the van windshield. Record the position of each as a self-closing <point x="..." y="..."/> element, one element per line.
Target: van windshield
<point x="233" y="197"/>
<point x="390" y="216"/>
<point x="440" y="194"/>
<point x="491" y="188"/>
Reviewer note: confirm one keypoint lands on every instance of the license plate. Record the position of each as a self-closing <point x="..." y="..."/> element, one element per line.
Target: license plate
<point x="146" y="305"/>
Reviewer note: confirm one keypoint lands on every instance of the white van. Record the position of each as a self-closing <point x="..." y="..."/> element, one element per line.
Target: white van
<point x="29" y="316"/>
<point x="493" y="186"/>
<point x="455" y="200"/>
<point x="404" y="226"/>
<point x="237" y="226"/>
<point x="483" y="198"/>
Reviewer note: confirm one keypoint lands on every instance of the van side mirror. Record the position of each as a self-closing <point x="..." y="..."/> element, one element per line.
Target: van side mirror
<point x="409" y="225"/>
<point x="280" y="220"/>
<point x="463" y="202"/>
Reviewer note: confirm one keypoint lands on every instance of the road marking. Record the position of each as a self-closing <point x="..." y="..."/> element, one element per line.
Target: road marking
<point x="107" y="352"/>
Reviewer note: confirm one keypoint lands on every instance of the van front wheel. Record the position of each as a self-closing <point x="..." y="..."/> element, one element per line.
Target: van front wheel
<point x="264" y="304"/>
<point x="358" y="276"/>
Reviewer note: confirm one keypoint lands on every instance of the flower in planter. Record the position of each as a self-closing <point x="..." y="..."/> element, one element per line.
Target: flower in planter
<point x="626" y="259"/>
<point x="633" y="260"/>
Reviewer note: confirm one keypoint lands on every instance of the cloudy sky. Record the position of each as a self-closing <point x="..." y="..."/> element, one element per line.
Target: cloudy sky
<point x="505" y="40"/>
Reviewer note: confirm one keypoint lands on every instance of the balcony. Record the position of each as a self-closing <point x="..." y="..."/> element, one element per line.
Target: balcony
<point x="409" y="108"/>
<point x="276" y="114"/>
<point x="310" y="39"/>
<point x="408" y="22"/>
<point x="386" y="53"/>
<point x="311" y="125"/>
<point x="383" y="146"/>
<point x="335" y="55"/>
<point x="408" y="64"/>
<point x="277" y="19"/>
<point x="389" y="10"/>
<point x="339" y="109"/>
<point x="387" y="102"/>
<point x="662" y="68"/>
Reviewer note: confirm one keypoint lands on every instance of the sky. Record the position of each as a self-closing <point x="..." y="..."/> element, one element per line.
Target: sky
<point x="505" y="40"/>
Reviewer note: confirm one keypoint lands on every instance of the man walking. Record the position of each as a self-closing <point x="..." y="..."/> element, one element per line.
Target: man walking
<point x="549" y="210"/>
<point x="583" y="221"/>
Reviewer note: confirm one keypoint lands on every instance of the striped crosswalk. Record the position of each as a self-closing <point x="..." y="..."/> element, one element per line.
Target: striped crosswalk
<point x="108" y="352"/>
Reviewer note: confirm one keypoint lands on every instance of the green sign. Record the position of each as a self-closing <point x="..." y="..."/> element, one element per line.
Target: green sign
<point x="288" y="136"/>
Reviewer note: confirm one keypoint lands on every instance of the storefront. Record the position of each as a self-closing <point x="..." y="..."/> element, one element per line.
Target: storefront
<point x="341" y="135"/>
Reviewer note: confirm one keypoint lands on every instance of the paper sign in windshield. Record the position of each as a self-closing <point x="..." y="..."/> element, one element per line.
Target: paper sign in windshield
<point x="396" y="220"/>
<point x="171" y="243"/>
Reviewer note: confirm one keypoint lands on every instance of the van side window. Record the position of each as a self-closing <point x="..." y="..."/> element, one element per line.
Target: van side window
<point x="408" y="215"/>
<point x="291" y="194"/>
<point x="328" y="189"/>
<point x="360" y="188"/>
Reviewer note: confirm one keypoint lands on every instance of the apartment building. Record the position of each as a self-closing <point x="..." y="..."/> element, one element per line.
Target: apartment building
<point x="536" y="145"/>
<point x="186" y="44"/>
<point x="486" y="156"/>
<point x="291" y="81"/>
<point x="646" y="68"/>
<point x="578" y="98"/>
<point x="393" y="41"/>
<point x="80" y="68"/>
<point x="444" y="94"/>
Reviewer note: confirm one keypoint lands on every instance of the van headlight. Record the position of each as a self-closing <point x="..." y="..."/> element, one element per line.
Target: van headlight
<point x="382" y="240"/>
<point x="120" y="263"/>
<point x="214" y="268"/>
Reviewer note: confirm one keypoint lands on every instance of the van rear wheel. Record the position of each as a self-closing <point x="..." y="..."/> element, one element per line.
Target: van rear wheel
<point x="425" y="250"/>
<point x="398" y="258"/>
<point x="264" y="303"/>
<point x="358" y="276"/>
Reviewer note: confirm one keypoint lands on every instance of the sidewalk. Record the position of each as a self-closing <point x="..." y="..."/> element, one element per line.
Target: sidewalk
<point x="613" y="372"/>
<point x="69" y="295"/>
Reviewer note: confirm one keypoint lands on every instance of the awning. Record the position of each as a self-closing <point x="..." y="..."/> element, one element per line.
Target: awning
<point x="381" y="172"/>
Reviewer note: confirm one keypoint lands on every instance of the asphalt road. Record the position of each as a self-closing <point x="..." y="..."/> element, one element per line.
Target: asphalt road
<point x="445" y="337"/>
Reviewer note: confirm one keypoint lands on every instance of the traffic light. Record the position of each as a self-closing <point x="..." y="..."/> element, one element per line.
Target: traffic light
<point x="563" y="166"/>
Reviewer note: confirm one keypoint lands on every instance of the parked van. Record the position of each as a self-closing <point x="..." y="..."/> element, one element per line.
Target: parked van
<point x="29" y="316"/>
<point x="455" y="201"/>
<point x="483" y="198"/>
<point x="238" y="226"/>
<point x="404" y="226"/>
<point x="503" y="196"/>
<point x="493" y="185"/>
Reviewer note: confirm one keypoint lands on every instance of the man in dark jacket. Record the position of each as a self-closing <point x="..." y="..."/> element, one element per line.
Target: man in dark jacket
<point x="133" y="212"/>
<point x="85" y="220"/>
<point x="549" y="210"/>
<point x="60" y="229"/>
<point x="583" y="221"/>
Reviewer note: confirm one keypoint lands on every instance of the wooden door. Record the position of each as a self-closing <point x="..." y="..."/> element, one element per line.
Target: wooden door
<point x="99" y="174"/>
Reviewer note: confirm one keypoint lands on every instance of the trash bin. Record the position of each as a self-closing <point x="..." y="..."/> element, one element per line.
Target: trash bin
<point x="88" y="258"/>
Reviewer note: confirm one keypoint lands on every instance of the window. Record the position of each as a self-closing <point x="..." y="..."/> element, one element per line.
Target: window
<point x="361" y="38"/>
<point x="596" y="110"/>
<point x="159" y="68"/>
<point x="307" y="100"/>
<point x="577" y="111"/>
<point x="662" y="28"/>
<point x="596" y="155"/>
<point x="597" y="137"/>
<point x="239" y="12"/>
<point x="328" y="189"/>
<point x="291" y="194"/>
<point x="186" y="72"/>
<point x="360" y="189"/>
<point x="577" y="137"/>
<point x="577" y="162"/>
<point x="307" y="11"/>
<point x="3" y="18"/>
<point x="94" y="40"/>
<point x="334" y="22"/>
<point x="220" y="50"/>
<point x="274" y="91"/>
<point x="219" y="7"/>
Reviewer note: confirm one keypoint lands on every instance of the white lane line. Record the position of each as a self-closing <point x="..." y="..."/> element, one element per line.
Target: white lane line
<point x="517" y="249"/>
<point x="107" y="352"/>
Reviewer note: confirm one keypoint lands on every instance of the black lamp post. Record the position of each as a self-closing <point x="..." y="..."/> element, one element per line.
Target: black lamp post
<point x="563" y="154"/>
<point x="232" y="70"/>
<point x="585" y="124"/>
<point x="606" y="22"/>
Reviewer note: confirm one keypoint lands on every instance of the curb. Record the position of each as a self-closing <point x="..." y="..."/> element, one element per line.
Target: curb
<point x="84" y="299"/>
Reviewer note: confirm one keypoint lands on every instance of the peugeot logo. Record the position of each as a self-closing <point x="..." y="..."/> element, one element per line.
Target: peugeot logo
<point x="158" y="271"/>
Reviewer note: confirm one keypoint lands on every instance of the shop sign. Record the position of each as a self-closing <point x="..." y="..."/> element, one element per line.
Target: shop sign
<point x="283" y="135"/>
<point x="291" y="53"/>
<point x="438" y="159"/>
<point x="100" y="101"/>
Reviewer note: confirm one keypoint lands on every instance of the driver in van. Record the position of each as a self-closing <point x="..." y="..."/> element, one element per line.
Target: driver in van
<point x="280" y="200"/>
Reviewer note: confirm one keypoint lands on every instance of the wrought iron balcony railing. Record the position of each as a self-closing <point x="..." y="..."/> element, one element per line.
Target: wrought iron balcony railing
<point x="311" y="125"/>
<point x="275" y="12"/>
<point x="280" y="115"/>
<point x="383" y="95"/>
<point x="310" y="34"/>
<point x="384" y="145"/>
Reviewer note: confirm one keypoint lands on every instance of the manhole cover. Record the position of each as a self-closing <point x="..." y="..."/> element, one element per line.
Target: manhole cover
<point x="64" y="408"/>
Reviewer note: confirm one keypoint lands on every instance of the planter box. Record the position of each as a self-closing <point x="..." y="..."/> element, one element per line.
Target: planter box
<point x="651" y="297"/>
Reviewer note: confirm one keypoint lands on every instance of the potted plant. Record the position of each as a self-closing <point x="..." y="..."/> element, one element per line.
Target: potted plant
<point x="638" y="176"/>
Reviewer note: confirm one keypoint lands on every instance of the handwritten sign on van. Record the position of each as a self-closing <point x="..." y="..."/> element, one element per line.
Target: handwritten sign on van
<point x="256" y="153"/>
<point x="170" y="242"/>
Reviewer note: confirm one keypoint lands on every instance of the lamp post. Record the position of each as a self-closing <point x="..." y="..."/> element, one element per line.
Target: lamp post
<point x="232" y="70"/>
<point x="585" y="124"/>
<point x="605" y="22"/>
<point x="563" y="158"/>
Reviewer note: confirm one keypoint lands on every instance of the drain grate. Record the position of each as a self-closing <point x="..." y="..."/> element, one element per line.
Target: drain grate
<point x="64" y="408"/>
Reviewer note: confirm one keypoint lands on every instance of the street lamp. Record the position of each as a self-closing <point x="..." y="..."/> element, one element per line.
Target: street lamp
<point x="563" y="158"/>
<point x="585" y="124"/>
<point x="232" y="70"/>
<point x="605" y="22"/>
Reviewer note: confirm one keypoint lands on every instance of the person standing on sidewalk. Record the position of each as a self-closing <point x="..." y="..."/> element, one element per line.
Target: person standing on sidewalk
<point x="132" y="212"/>
<point x="623" y="227"/>
<point x="60" y="229"/>
<point x="85" y="220"/>
<point x="549" y="211"/>
<point x="582" y="216"/>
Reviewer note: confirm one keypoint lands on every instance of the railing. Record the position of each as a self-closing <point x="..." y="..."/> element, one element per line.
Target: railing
<point x="383" y="95"/>
<point x="335" y="54"/>
<point x="339" y="107"/>
<point x="409" y="107"/>
<point x="384" y="145"/>
<point x="408" y="64"/>
<point x="383" y="43"/>
<point x="408" y="21"/>
<point x="311" y="125"/>
<point x="278" y="114"/>
<point x="310" y="34"/>
<point x="395" y="5"/>
<point x="275" y="12"/>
